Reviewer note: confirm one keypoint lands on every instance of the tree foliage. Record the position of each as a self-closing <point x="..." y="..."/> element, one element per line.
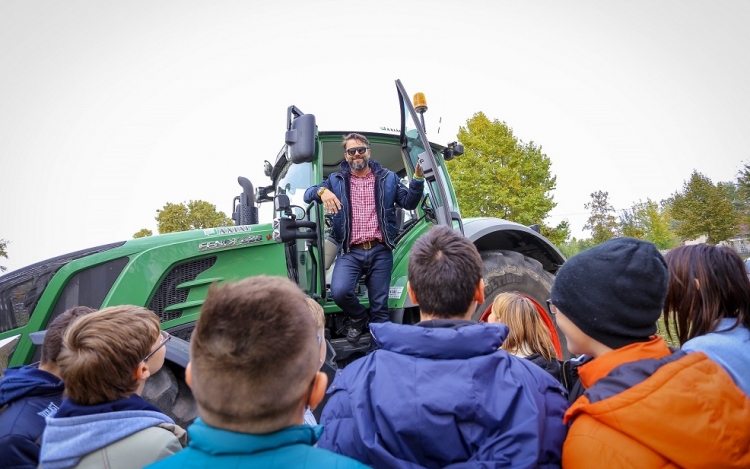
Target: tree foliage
<point x="143" y="233"/>
<point x="649" y="221"/>
<point x="3" y="252"/>
<point x="556" y="235"/>
<point x="741" y="201"/>
<point x="602" y="221"/>
<point x="500" y="176"/>
<point x="193" y="215"/>
<point x="703" y="208"/>
<point x="574" y="246"/>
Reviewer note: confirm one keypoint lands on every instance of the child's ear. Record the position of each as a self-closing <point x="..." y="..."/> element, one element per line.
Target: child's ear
<point x="411" y="293"/>
<point x="142" y="372"/>
<point x="319" y="390"/>
<point x="189" y="374"/>
<point x="479" y="292"/>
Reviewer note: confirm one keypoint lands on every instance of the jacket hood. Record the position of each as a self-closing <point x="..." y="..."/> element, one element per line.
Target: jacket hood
<point x="26" y="381"/>
<point x="442" y="342"/>
<point x="85" y="429"/>
<point x="684" y="408"/>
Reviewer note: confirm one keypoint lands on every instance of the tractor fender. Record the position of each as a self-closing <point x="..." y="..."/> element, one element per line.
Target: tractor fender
<point x="489" y="234"/>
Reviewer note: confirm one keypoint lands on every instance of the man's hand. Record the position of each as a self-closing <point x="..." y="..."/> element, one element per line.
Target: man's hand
<point x="418" y="171"/>
<point x="330" y="202"/>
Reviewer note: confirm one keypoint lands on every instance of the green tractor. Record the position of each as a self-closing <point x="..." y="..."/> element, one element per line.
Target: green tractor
<point x="170" y="274"/>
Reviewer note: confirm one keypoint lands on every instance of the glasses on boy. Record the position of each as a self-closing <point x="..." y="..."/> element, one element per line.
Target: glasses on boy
<point x="165" y="337"/>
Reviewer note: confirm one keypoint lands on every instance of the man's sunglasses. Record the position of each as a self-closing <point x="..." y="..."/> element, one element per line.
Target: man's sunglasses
<point x="165" y="337"/>
<point x="359" y="150"/>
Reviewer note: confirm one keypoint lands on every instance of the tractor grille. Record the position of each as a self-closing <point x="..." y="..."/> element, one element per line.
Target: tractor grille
<point x="167" y="294"/>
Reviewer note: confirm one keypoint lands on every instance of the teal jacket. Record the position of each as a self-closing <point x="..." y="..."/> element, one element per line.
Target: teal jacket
<point x="288" y="448"/>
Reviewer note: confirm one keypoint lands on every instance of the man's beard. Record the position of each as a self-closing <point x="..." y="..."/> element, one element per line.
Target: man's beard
<point x="355" y="166"/>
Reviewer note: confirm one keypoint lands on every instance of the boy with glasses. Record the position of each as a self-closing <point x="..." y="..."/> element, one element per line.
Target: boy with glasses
<point x="361" y="197"/>
<point x="645" y="405"/>
<point x="107" y="357"/>
<point x="254" y="361"/>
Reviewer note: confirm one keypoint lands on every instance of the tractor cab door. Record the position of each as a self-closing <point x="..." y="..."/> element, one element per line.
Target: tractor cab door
<point x="416" y="149"/>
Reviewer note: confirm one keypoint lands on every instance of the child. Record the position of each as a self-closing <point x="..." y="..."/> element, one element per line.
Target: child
<point x="644" y="406"/>
<point x="528" y="337"/>
<point x="30" y="395"/>
<point x="255" y="356"/>
<point x="107" y="358"/>
<point x="320" y="323"/>
<point x="709" y="305"/>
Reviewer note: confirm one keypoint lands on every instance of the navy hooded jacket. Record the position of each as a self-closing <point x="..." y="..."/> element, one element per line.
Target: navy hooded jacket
<point x="30" y="395"/>
<point x="441" y="395"/>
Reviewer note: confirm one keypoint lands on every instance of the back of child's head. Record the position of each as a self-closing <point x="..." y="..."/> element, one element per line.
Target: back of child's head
<point x="613" y="292"/>
<point x="527" y="333"/>
<point x="706" y="284"/>
<point x="53" y="339"/>
<point x="254" y="354"/>
<point x="103" y="350"/>
<point x="444" y="271"/>
<point x="318" y="314"/>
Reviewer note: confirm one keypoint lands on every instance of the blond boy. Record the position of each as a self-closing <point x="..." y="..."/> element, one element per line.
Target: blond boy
<point x="106" y="359"/>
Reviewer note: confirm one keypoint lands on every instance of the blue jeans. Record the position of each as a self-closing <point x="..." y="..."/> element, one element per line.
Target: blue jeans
<point x="376" y="264"/>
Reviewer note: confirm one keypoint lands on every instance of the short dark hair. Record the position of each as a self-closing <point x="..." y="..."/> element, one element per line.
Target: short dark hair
<point x="723" y="292"/>
<point x="254" y="352"/>
<point x="53" y="339"/>
<point x="444" y="271"/>
<point x="355" y="136"/>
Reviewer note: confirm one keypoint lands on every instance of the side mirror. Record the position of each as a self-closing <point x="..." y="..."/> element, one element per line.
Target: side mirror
<point x="454" y="149"/>
<point x="300" y="136"/>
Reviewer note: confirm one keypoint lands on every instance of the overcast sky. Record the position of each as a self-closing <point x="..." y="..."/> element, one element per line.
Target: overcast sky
<point x="109" y="110"/>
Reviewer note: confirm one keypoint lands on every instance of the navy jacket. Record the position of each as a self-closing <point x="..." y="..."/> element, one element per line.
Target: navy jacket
<point x="388" y="191"/>
<point x="440" y="394"/>
<point x="30" y="395"/>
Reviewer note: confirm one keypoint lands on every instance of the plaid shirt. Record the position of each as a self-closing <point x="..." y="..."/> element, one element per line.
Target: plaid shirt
<point x="364" y="217"/>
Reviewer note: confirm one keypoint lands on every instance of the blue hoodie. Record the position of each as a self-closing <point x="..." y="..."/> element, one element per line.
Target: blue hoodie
<point x="78" y="430"/>
<point x="30" y="394"/>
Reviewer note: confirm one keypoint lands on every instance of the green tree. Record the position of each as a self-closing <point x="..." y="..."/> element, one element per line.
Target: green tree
<point x="741" y="200"/>
<point x="557" y="235"/>
<point x="193" y="215"/>
<point x="500" y="176"/>
<point x="649" y="221"/>
<point x="601" y="222"/>
<point x="142" y="233"/>
<point x="703" y="208"/>
<point x="3" y="252"/>
<point x="574" y="246"/>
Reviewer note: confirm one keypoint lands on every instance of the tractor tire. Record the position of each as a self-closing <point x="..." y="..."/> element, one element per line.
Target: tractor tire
<point x="509" y="271"/>
<point x="171" y="394"/>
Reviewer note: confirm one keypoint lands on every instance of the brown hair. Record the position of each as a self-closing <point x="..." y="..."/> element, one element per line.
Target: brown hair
<point x="317" y="312"/>
<point x="355" y="136"/>
<point x="53" y="339"/>
<point x="722" y="291"/>
<point x="527" y="332"/>
<point x="102" y="352"/>
<point x="444" y="271"/>
<point x="254" y="353"/>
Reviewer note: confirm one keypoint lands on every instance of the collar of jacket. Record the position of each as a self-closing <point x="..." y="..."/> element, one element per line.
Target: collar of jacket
<point x="375" y="167"/>
<point x="218" y="441"/>
<point x="601" y="366"/>
<point x="440" y="342"/>
<point x="69" y="408"/>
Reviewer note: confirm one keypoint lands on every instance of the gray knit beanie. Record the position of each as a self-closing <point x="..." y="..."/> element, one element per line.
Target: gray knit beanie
<point x="613" y="292"/>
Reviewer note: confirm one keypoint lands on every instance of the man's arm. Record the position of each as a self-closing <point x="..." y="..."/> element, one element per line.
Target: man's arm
<point x="311" y="194"/>
<point x="409" y="198"/>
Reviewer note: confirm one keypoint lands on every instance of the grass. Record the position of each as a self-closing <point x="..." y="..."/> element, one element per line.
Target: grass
<point x="662" y="331"/>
